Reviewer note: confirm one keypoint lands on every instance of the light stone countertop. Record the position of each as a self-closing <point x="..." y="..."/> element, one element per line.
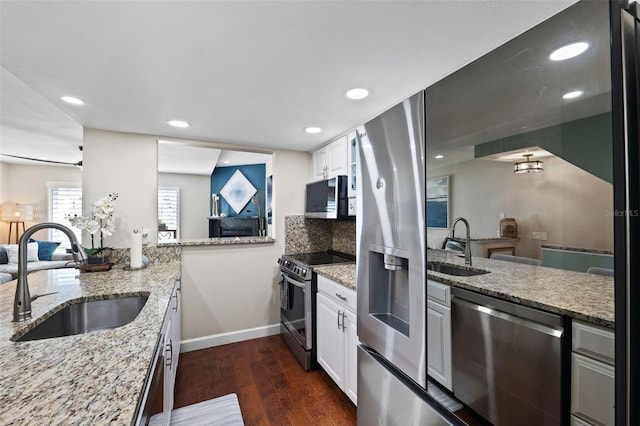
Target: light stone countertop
<point x="94" y="378"/>
<point x="217" y="241"/>
<point x="586" y="297"/>
<point x="342" y="273"/>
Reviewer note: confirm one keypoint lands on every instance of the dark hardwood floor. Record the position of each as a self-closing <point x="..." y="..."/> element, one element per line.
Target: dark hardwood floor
<point x="272" y="387"/>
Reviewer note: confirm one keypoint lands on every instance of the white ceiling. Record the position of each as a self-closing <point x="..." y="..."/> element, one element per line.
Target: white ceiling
<point x="248" y="72"/>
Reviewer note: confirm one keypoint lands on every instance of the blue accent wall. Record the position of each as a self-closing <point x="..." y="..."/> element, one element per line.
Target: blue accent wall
<point x="255" y="173"/>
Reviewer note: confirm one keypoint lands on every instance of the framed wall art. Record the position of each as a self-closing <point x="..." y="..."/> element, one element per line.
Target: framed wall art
<point x="438" y="202"/>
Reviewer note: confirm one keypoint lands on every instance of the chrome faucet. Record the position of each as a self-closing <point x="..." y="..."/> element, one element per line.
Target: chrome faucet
<point x="467" y="246"/>
<point x="23" y="299"/>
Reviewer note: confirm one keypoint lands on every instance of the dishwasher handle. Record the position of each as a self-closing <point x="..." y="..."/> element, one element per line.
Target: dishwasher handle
<point x="556" y="332"/>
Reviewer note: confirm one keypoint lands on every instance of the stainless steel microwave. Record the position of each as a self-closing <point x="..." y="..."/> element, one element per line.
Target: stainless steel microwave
<point x="327" y="199"/>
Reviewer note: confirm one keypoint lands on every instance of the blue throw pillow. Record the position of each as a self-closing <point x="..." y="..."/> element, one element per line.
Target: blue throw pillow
<point x="4" y="257"/>
<point x="45" y="248"/>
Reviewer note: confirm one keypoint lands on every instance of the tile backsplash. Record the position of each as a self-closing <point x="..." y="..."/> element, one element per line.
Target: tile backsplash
<point x="305" y="235"/>
<point x="154" y="253"/>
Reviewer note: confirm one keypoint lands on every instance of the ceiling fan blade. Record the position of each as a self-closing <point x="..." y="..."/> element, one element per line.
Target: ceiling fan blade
<point x="78" y="164"/>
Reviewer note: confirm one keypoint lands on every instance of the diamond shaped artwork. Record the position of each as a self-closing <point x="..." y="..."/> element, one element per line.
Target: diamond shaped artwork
<point x="238" y="191"/>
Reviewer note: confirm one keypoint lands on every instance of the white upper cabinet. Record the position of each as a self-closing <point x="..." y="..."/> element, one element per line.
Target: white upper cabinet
<point x="352" y="160"/>
<point x="331" y="160"/>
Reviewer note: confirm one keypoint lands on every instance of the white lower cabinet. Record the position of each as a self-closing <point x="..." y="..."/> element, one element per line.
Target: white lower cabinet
<point x="337" y="339"/>
<point x="167" y="383"/>
<point x="439" y="333"/>
<point x="592" y="376"/>
<point x="170" y="354"/>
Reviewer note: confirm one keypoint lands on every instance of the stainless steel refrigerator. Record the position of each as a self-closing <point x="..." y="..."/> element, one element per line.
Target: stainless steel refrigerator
<point x="392" y="365"/>
<point x="392" y="357"/>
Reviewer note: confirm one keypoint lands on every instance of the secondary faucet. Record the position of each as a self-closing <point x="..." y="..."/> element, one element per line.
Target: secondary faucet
<point x="23" y="299"/>
<point x="467" y="246"/>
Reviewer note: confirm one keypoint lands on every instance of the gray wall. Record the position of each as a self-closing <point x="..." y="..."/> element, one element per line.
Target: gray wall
<point x="567" y="203"/>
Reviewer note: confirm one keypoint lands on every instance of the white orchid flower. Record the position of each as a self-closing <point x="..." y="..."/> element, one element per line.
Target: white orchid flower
<point x="100" y="221"/>
<point x="77" y="221"/>
<point x="109" y="224"/>
<point x="100" y="213"/>
<point x="92" y="226"/>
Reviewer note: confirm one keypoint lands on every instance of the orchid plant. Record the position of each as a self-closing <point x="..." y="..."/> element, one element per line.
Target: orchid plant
<point x="100" y="222"/>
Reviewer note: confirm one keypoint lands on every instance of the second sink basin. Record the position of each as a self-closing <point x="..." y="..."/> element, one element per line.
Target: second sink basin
<point x="87" y="316"/>
<point x="458" y="271"/>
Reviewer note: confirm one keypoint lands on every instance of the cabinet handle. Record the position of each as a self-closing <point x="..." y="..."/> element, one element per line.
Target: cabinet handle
<point x="169" y="349"/>
<point x="341" y="297"/>
<point x="339" y="320"/>
<point x="175" y="296"/>
<point x="344" y="314"/>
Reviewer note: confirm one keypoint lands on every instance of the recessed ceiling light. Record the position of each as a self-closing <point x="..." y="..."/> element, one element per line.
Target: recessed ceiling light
<point x="226" y="161"/>
<point x="312" y="130"/>
<point x="357" y="93"/>
<point x="569" y="51"/>
<point x="439" y="156"/>
<point x="72" y="100"/>
<point x="178" y="123"/>
<point x="572" y="95"/>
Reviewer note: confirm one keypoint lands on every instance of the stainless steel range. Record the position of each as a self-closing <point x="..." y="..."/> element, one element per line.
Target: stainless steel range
<point x="298" y="301"/>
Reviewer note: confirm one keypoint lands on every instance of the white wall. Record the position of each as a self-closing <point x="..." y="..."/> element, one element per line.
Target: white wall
<point x="564" y="201"/>
<point x="232" y="288"/>
<point x="226" y="289"/>
<point x="194" y="202"/>
<point x="27" y="184"/>
<point x="124" y="163"/>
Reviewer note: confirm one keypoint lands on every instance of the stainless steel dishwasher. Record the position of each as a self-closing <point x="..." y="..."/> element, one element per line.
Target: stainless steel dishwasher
<point x="507" y="360"/>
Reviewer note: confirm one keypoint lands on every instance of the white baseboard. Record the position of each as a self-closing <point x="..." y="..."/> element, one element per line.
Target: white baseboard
<point x="230" y="337"/>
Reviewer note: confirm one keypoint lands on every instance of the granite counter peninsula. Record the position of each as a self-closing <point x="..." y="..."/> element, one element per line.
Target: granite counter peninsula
<point x="582" y="296"/>
<point x="94" y="378"/>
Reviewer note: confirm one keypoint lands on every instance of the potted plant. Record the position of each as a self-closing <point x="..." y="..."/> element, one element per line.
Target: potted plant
<point x="98" y="224"/>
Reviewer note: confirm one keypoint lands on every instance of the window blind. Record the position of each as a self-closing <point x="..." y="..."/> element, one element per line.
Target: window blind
<point x="169" y="209"/>
<point x="63" y="201"/>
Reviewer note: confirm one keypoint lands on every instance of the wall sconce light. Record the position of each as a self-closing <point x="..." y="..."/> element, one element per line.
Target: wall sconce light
<point x="528" y="166"/>
<point x="17" y="215"/>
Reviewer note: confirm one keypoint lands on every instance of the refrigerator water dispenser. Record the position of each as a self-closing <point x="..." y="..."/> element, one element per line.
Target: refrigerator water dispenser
<point x="389" y="293"/>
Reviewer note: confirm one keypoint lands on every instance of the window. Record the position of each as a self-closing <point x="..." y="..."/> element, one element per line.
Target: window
<point x="168" y="213"/>
<point x="64" y="198"/>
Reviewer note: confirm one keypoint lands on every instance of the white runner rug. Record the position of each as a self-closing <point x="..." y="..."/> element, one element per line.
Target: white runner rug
<point x="222" y="411"/>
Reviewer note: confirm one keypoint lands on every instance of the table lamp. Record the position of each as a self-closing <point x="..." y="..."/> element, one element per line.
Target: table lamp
<point x="17" y="215"/>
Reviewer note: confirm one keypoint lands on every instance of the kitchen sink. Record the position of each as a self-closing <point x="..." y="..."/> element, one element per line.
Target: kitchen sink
<point x="87" y="316"/>
<point x="458" y="271"/>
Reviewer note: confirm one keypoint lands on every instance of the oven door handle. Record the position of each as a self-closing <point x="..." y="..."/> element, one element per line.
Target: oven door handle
<point x="294" y="282"/>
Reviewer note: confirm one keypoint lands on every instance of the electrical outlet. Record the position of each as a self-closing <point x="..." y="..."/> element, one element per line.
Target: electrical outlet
<point x="541" y="236"/>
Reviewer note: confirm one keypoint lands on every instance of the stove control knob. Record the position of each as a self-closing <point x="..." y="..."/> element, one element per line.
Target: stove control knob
<point x="304" y="272"/>
<point x="279" y="261"/>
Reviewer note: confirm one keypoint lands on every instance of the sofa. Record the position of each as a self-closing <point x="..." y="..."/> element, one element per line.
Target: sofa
<point x="40" y="255"/>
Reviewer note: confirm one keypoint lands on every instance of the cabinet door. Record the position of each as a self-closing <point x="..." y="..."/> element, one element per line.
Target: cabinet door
<point x="439" y="344"/>
<point x="167" y="386"/>
<point x="352" y="161"/>
<point x="592" y="390"/>
<point x="351" y="356"/>
<point x="337" y="157"/>
<point x="320" y="164"/>
<point x="176" y="310"/>
<point x="330" y="339"/>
